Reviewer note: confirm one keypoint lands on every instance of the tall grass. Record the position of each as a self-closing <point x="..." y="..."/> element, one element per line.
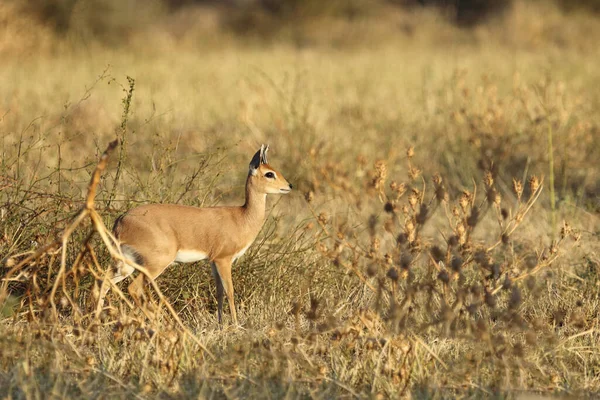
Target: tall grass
<point x="418" y="256"/>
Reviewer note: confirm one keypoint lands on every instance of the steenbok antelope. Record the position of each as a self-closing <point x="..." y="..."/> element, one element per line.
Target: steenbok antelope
<point x="157" y="235"/>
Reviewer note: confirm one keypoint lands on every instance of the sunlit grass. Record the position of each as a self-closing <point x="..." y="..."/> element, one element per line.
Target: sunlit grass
<point x="417" y="254"/>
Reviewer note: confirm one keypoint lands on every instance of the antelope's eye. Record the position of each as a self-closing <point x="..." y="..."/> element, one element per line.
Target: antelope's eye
<point x="270" y="175"/>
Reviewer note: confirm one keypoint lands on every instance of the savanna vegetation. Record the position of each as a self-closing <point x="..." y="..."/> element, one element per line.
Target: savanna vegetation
<point x="441" y="240"/>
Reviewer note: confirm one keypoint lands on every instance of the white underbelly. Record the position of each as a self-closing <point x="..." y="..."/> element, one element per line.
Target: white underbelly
<point x="188" y="256"/>
<point x="241" y="252"/>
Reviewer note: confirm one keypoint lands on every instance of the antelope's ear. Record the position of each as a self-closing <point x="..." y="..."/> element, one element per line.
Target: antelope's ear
<point x="263" y="156"/>
<point x="256" y="160"/>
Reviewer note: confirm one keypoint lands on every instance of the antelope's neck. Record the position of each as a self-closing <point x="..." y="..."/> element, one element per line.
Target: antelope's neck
<point x="254" y="208"/>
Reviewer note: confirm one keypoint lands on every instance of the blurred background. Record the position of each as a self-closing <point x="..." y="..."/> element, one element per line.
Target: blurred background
<point x="470" y="84"/>
<point x="27" y="23"/>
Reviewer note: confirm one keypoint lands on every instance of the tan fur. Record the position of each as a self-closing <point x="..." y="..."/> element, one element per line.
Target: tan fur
<point x="156" y="233"/>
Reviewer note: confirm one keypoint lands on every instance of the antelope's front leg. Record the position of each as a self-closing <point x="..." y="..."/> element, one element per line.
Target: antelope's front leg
<point x="224" y="270"/>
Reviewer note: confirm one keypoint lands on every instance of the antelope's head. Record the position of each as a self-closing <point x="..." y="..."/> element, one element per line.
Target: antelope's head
<point x="263" y="177"/>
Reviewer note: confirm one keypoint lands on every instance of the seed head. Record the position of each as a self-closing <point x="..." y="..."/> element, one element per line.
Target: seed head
<point x="422" y="216"/>
<point x="389" y="207"/>
<point x="413" y="199"/>
<point x="323" y="218"/>
<point x="518" y="188"/>
<point x="381" y="169"/>
<point x="519" y="216"/>
<point x="444" y="277"/>
<point x="409" y="227"/>
<point x="402" y="238"/>
<point x="309" y="196"/>
<point x="465" y="200"/>
<point x="375" y="244"/>
<point x="488" y="180"/>
<point x="393" y="274"/>
<point x="566" y="230"/>
<point x="473" y="218"/>
<point x="405" y="261"/>
<point x="388" y="258"/>
<point x="437" y="254"/>
<point x="493" y="197"/>
<point x="410" y="152"/>
<point x="440" y="194"/>
<point x="413" y="173"/>
<point x="456" y="264"/>
<point x="534" y="184"/>
<point x="398" y="188"/>
<point x="453" y="241"/>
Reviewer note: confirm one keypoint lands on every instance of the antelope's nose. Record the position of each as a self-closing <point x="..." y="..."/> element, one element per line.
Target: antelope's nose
<point x="291" y="187"/>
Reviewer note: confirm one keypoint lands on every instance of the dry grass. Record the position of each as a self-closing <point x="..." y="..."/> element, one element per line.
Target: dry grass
<point x="417" y="258"/>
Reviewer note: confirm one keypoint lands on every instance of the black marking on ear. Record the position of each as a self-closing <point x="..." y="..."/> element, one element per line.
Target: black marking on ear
<point x="260" y="157"/>
<point x="255" y="163"/>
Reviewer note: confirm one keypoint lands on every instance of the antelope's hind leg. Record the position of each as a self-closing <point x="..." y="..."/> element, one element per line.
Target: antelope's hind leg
<point x="122" y="271"/>
<point x="154" y="265"/>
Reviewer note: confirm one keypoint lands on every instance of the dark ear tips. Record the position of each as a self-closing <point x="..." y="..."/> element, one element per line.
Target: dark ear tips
<point x="260" y="157"/>
<point x="255" y="162"/>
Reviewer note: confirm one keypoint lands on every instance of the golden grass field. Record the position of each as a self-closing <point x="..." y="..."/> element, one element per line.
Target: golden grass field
<point x="442" y="240"/>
